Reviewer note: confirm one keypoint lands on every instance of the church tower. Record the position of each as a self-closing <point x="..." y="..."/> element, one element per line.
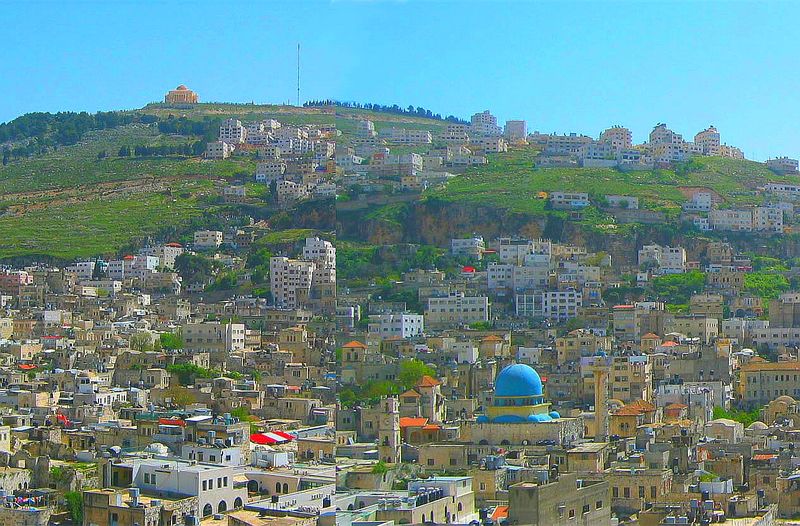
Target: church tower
<point x="389" y="431"/>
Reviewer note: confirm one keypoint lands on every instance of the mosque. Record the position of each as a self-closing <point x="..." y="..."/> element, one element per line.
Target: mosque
<point x="520" y="415"/>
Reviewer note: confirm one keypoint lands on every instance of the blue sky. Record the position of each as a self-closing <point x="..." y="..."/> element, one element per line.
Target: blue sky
<point x="561" y="66"/>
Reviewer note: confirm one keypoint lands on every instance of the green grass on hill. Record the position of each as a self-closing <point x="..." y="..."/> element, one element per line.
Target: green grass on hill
<point x="92" y="227"/>
<point x="78" y="165"/>
<point x="282" y="237"/>
<point x="512" y="181"/>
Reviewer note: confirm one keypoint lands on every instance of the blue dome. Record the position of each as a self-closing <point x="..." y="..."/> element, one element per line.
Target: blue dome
<point x="539" y="418"/>
<point x="554" y="414"/>
<point x="482" y="419"/>
<point x="518" y="380"/>
<point x="508" y="419"/>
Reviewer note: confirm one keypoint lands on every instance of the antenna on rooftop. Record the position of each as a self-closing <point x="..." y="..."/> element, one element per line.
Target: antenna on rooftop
<point x="298" y="74"/>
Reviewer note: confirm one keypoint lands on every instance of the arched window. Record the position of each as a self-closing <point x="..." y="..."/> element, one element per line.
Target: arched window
<point x="460" y="507"/>
<point x="207" y="510"/>
<point x="222" y="507"/>
<point x="285" y="487"/>
<point x="237" y="503"/>
<point x="277" y="487"/>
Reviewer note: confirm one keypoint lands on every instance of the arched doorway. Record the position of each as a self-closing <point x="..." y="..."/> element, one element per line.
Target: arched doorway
<point x="222" y="507"/>
<point x="207" y="510"/>
<point x="252" y="486"/>
<point x="237" y="503"/>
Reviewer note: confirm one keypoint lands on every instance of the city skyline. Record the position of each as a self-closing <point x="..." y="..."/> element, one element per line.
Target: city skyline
<point x="552" y="65"/>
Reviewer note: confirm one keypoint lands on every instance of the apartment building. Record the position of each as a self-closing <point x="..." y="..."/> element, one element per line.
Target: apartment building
<point x="365" y="128"/>
<point x="207" y="239"/>
<point x="556" y="305"/>
<point x="762" y="382"/>
<point x="785" y="311"/>
<point x="705" y="328"/>
<point x="619" y="137"/>
<point x="561" y="501"/>
<point x="231" y="131"/>
<point x="767" y="219"/>
<point x="700" y="202"/>
<point x="782" y="165"/>
<point x="396" y="325"/>
<point x="270" y="170"/>
<point x="631" y="378"/>
<point x="219" y="150"/>
<point x="472" y="247"/>
<point x="731" y="151"/>
<point x="570" y="144"/>
<point x="456" y="309"/>
<point x="707" y="141"/>
<point x="290" y="281"/>
<point x="569" y="200"/>
<point x="213" y="337"/>
<point x="213" y="485"/>
<point x="166" y="254"/>
<point x="516" y="130"/>
<point x="408" y="137"/>
<point x="668" y="260"/>
<point x="484" y="123"/>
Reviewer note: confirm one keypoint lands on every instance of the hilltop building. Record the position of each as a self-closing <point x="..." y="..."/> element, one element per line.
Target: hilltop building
<point x="181" y="95"/>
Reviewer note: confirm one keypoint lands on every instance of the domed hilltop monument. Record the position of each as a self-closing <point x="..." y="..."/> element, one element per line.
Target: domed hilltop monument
<point x="520" y="415"/>
<point x="181" y="96"/>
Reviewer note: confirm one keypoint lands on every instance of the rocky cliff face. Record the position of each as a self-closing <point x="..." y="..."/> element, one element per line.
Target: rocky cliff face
<point x="435" y="222"/>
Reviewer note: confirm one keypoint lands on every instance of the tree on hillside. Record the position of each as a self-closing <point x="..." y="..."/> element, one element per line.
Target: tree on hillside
<point x="193" y="268"/>
<point x="411" y="371"/>
<point x="678" y="288"/>
<point x="171" y="341"/>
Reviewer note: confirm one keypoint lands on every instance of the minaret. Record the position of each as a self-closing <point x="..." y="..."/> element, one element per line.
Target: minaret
<point x="389" y="431"/>
<point x="600" y="370"/>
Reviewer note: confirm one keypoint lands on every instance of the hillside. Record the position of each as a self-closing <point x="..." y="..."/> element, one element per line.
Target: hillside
<point x="83" y="198"/>
<point x="512" y="180"/>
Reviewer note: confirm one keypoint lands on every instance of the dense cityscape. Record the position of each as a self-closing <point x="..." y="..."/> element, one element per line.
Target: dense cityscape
<point x="344" y="314"/>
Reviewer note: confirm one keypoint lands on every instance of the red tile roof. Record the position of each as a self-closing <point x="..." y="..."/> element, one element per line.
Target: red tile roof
<point x="500" y="512"/>
<point x="427" y="381"/>
<point x="412" y="421"/>
<point x="354" y="345"/>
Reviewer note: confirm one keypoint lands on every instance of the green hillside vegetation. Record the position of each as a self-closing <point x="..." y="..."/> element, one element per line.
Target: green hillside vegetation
<point x="512" y="180"/>
<point x="96" y="226"/>
<point x="79" y="165"/>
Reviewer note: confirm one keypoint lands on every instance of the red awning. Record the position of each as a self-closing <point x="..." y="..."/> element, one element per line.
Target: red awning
<point x="171" y="422"/>
<point x="283" y="435"/>
<point x="261" y="438"/>
<point x="27" y="366"/>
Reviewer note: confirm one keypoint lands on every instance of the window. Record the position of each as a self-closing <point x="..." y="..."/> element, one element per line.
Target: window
<point x="585" y="509"/>
<point x="641" y="492"/>
<point x="653" y="492"/>
<point x="430" y="462"/>
<point x="598" y="504"/>
<point x="615" y="492"/>
<point x="626" y="493"/>
<point x="571" y="514"/>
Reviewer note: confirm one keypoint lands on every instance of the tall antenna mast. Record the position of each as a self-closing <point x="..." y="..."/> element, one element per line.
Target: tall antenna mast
<point x="298" y="74"/>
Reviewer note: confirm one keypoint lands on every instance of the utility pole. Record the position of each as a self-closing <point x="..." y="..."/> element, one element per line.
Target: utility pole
<point x="298" y="74"/>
